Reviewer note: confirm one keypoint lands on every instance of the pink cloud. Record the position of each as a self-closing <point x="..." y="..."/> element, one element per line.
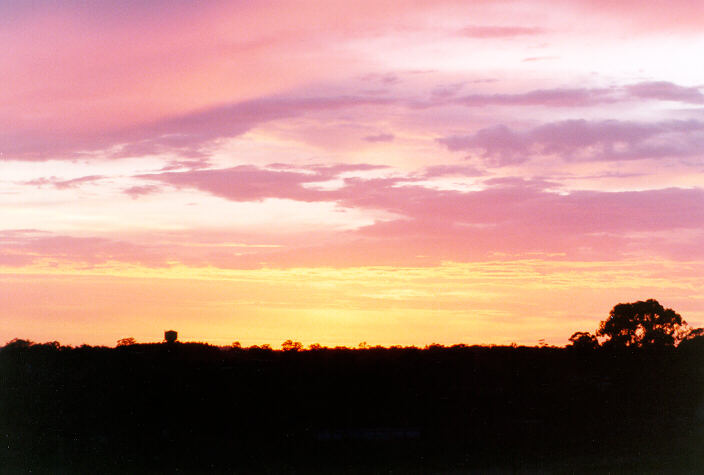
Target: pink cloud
<point x="538" y="58"/>
<point x="516" y="220"/>
<point x="511" y="215"/>
<point x="480" y="31"/>
<point x="64" y="184"/>
<point x="379" y="138"/>
<point x="192" y="163"/>
<point x="246" y="183"/>
<point x="141" y="190"/>
<point x="26" y="247"/>
<point x="506" y="200"/>
<point x="250" y="183"/>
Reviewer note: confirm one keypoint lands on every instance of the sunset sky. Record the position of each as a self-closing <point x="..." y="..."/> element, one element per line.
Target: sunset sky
<point x="344" y="171"/>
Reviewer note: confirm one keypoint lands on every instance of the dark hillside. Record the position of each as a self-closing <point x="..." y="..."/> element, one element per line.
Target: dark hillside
<point x="194" y="407"/>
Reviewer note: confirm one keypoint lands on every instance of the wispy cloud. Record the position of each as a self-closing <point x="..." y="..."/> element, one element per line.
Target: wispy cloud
<point x="666" y="91"/>
<point x="379" y="138"/>
<point x="493" y="31"/>
<point x="187" y="134"/>
<point x="141" y="190"/>
<point x="64" y="184"/>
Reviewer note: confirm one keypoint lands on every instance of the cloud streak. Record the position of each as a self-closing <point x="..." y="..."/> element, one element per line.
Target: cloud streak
<point x="582" y="140"/>
<point x="60" y="184"/>
<point x="187" y="134"/>
<point x="511" y="215"/>
<point x="481" y="31"/>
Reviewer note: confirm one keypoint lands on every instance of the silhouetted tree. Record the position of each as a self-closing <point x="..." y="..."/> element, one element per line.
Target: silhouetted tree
<point x="434" y="346"/>
<point x="694" y="333"/>
<point x="583" y="341"/>
<point x="18" y="344"/>
<point x="49" y="345"/>
<point x="170" y="336"/>
<point x="694" y="337"/>
<point x="642" y="323"/>
<point x="126" y="341"/>
<point x="289" y="345"/>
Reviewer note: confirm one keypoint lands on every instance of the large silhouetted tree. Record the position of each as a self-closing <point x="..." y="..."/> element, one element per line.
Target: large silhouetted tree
<point x="642" y="323"/>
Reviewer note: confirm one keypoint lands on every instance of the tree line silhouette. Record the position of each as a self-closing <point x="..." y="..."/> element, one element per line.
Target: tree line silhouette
<point x="629" y="397"/>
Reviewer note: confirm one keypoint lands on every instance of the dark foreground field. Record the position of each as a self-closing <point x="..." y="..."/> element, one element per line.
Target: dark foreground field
<point x="178" y="408"/>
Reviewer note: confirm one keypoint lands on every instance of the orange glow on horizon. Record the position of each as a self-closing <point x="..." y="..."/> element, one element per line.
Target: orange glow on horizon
<point x="498" y="302"/>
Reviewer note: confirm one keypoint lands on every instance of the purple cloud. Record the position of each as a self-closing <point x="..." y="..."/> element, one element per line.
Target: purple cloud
<point x="185" y="134"/>
<point x="544" y="97"/>
<point x="379" y="138"/>
<point x="451" y="170"/>
<point x="666" y="91"/>
<point x="189" y="134"/>
<point x="582" y="140"/>
<point x="579" y="97"/>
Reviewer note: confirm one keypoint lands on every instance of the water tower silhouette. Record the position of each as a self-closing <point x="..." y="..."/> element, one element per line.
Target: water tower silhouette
<point x="170" y="336"/>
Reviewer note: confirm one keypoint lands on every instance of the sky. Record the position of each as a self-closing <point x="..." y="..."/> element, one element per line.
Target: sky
<point x="343" y="171"/>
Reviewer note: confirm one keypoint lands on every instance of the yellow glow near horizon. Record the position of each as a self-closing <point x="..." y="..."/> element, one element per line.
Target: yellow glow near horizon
<point x="497" y="302"/>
